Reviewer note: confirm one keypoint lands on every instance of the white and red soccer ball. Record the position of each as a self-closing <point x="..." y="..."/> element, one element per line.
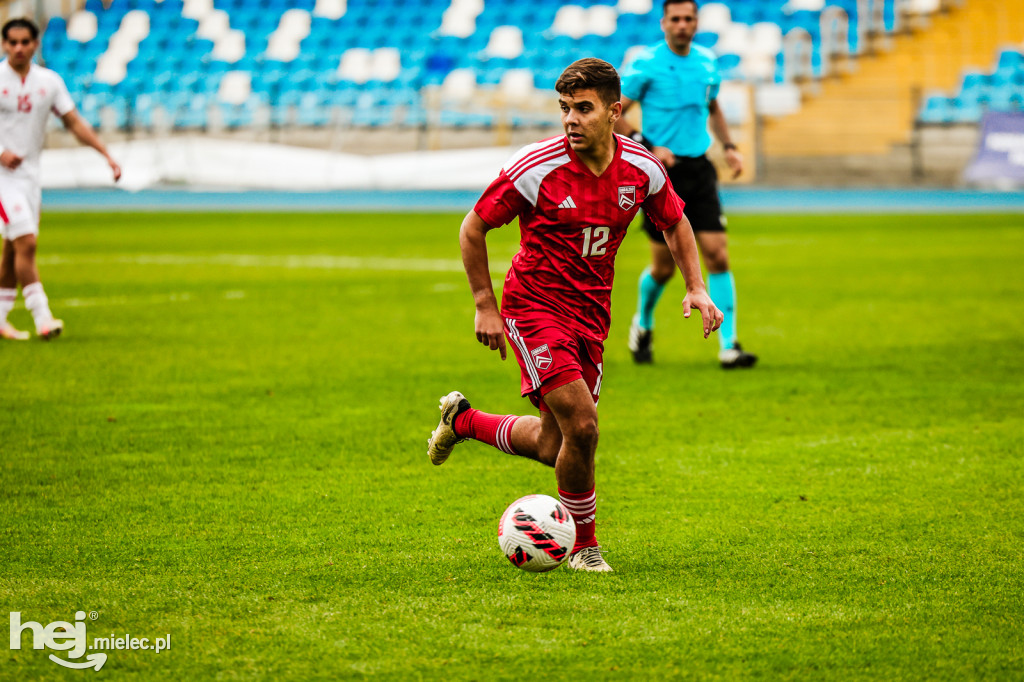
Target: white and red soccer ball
<point x="536" y="533"/>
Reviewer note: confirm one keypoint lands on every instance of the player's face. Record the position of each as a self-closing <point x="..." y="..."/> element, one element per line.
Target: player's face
<point x="20" y="46"/>
<point x="679" y="24"/>
<point x="588" y="121"/>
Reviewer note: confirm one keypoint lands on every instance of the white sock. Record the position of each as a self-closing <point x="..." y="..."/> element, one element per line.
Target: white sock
<point x="7" y="297"/>
<point x="37" y="303"/>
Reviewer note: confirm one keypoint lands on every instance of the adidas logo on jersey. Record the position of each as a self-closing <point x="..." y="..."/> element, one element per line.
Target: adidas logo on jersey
<point x="568" y="203"/>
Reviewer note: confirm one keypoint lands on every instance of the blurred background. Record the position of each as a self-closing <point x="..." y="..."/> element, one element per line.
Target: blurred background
<point x="324" y="94"/>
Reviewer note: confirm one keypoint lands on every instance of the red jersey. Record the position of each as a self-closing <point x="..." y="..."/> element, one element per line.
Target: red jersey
<point x="571" y="224"/>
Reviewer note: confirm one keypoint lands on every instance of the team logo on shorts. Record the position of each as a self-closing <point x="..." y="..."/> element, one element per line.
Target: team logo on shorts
<point x="541" y="357"/>
<point x="627" y="197"/>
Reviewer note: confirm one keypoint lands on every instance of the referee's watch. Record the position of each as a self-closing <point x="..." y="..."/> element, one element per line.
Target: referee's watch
<point x="729" y="145"/>
<point x="639" y="138"/>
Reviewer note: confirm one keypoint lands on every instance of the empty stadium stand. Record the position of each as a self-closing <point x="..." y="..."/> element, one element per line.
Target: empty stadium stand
<point x="999" y="89"/>
<point x="872" y="110"/>
<point x="845" y="91"/>
<point x="187" y="64"/>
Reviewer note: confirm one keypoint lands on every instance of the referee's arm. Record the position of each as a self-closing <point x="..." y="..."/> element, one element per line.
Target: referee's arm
<point x="721" y="130"/>
<point x="622" y="127"/>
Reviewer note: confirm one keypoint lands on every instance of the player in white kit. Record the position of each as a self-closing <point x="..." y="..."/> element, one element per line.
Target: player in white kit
<point x="28" y="93"/>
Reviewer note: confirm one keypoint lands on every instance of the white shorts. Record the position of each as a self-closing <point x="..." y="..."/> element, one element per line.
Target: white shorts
<point x="19" y="209"/>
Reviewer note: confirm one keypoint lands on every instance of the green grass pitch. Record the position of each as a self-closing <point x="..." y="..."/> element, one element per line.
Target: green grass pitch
<point x="228" y="445"/>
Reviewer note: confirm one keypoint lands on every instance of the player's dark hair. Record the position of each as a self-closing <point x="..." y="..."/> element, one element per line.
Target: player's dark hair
<point x="588" y="73"/>
<point x="665" y="5"/>
<point x="22" y="22"/>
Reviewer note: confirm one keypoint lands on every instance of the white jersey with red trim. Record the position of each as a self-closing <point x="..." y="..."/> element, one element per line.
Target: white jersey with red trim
<point x="572" y="223"/>
<point x="25" y="105"/>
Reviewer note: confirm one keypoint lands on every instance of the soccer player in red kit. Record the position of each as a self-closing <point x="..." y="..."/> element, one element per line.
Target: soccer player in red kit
<point x="575" y="195"/>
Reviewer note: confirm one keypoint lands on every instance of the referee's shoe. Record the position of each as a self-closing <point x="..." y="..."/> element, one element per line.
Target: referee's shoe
<point x="736" y="357"/>
<point x="640" y="342"/>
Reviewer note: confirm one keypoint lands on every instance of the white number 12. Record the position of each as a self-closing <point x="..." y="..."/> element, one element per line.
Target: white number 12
<point x="594" y="240"/>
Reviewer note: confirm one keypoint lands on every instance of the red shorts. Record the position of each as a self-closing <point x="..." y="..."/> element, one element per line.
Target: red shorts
<point x="551" y="356"/>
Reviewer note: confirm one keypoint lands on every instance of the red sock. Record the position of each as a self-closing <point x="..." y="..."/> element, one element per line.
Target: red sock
<point x="493" y="429"/>
<point x="583" y="507"/>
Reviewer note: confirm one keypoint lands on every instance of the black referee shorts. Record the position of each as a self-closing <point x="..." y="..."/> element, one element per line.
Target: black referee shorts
<point x="695" y="180"/>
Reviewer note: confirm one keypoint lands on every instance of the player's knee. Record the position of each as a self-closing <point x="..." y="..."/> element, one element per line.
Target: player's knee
<point x="717" y="260"/>
<point x="547" y="449"/>
<point x="24" y="249"/>
<point x="583" y="434"/>
<point x="661" y="273"/>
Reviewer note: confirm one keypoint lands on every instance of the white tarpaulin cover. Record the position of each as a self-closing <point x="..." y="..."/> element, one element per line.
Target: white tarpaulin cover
<point x="204" y="163"/>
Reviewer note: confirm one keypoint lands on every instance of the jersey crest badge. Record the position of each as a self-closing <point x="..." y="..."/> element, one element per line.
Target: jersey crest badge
<point x="541" y="357"/>
<point x="627" y="197"/>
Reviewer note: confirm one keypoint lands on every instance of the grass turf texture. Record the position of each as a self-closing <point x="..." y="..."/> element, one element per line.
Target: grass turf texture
<point x="232" y="451"/>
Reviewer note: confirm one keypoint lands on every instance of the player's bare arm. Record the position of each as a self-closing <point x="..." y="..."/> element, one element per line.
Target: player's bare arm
<point x="622" y="127"/>
<point x="473" y="242"/>
<point x="683" y="246"/>
<point x="720" y="128"/>
<point x="84" y="133"/>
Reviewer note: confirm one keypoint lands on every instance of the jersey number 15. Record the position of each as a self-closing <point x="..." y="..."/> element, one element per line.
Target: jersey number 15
<point x="594" y="240"/>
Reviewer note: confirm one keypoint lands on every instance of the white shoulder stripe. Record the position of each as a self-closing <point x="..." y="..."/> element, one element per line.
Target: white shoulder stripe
<point x="654" y="170"/>
<point x="642" y="150"/>
<point x="532" y="150"/>
<point x="528" y="181"/>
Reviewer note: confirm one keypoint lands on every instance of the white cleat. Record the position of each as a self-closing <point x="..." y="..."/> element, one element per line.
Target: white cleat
<point x="443" y="439"/>
<point x="50" y="330"/>
<point x="589" y="559"/>
<point x="640" y="341"/>
<point x="7" y="331"/>
<point x="736" y="357"/>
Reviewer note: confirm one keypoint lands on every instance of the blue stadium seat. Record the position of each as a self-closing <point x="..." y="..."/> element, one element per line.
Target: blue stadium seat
<point x="974" y="88"/>
<point x="706" y="38"/>
<point x="57" y="26"/>
<point x="780" y="68"/>
<point x="805" y="19"/>
<point x="1009" y="63"/>
<point x="173" y="60"/>
<point x="744" y="12"/>
<point x="237" y="115"/>
<point x="936" y="109"/>
<point x="373" y="116"/>
<point x="186" y="27"/>
<point x="1005" y="97"/>
<point x="729" y="66"/>
<point x="89" y="108"/>
<point x="169" y="8"/>
<point x="192" y="113"/>
<point x="965" y="111"/>
<point x="142" y="111"/>
<point x="889" y="16"/>
<point x="463" y="119"/>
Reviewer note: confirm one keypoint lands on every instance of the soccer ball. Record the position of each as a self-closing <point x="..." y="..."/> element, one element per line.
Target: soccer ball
<point x="536" y="533"/>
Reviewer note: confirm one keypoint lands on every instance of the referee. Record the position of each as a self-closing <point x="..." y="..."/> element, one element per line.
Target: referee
<point x="676" y="84"/>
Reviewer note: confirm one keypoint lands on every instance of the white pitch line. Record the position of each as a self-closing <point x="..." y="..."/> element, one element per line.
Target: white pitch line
<point x="174" y="297"/>
<point x="322" y="262"/>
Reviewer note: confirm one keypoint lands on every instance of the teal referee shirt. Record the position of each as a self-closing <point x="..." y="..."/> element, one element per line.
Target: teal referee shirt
<point x="674" y="93"/>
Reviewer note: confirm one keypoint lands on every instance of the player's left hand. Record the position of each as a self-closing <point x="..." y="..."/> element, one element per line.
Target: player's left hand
<point x="115" y="168"/>
<point x="10" y="160"/>
<point x="710" y="316"/>
<point x="735" y="162"/>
